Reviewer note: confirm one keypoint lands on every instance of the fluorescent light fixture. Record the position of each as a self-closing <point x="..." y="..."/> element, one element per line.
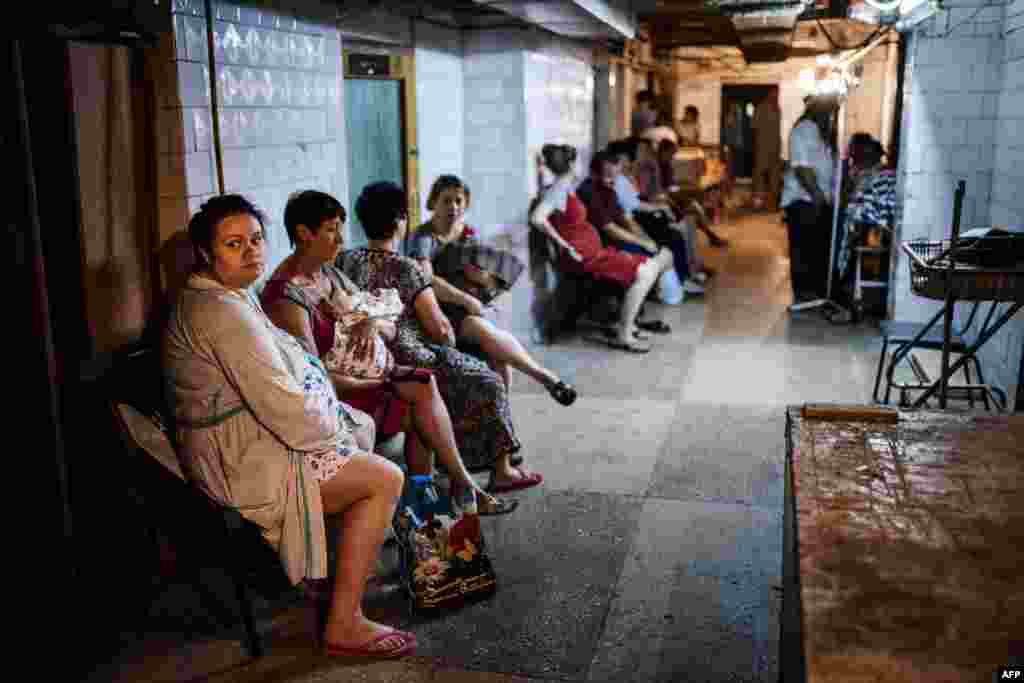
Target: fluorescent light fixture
<point x="806" y="81"/>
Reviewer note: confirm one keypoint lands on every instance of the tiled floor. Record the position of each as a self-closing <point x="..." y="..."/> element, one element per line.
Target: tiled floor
<point x="653" y="550"/>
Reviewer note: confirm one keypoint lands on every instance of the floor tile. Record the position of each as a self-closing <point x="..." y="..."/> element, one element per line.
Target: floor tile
<point x="597" y="444"/>
<point x="698" y="585"/>
<point x="723" y="453"/>
<point x="558" y="559"/>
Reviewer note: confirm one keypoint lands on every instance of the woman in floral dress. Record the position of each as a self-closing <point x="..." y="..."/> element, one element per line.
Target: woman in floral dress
<point x="476" y="396"/>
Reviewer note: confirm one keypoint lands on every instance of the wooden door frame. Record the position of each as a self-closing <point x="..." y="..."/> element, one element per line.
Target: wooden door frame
<point x="402" y="68"/>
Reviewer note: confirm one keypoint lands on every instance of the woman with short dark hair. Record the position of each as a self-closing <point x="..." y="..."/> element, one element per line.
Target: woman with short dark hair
<point x="476" y="396"/>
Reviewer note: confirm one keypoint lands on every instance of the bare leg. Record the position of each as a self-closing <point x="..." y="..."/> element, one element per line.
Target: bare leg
<point x="704" y="224"/>
<point x="504" y="349"/>
<point x="365" y="492"/>
<point x="502" y="370"/>
<point x="646" y="276"/>
<point x="432" y="432"/>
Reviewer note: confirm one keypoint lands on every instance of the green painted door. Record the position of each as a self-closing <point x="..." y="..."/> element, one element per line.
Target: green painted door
<point x="373" y="126"/>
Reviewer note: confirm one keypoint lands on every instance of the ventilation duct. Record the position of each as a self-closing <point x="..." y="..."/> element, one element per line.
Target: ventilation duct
<point x="765" y="28"/>
<point x="591" y="19"/>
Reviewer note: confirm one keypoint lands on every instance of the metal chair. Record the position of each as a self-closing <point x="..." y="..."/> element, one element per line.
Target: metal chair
<point x="901" y="334"/>
<point x="202" y="533"/>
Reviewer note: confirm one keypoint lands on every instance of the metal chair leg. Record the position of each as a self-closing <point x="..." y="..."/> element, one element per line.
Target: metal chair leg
<point x="232" y="523"/>
<point x="967" y="376"/>
<point x="896" y="356"/>
<point x="252" y="636"/>
<point x="881" y="365"/>
<point x="981" y="380"/>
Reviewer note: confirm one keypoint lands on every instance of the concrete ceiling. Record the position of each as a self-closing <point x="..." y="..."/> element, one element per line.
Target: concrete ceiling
<point x="763" y="30"/>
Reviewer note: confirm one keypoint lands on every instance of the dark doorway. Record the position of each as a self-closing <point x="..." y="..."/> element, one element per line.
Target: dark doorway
<point x="738" y="105"/>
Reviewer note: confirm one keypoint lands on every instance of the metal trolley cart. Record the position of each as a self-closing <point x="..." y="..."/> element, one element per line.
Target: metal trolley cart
<point x="962" y="270"/>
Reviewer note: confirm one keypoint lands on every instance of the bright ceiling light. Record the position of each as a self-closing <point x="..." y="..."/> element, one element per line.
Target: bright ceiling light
<point x="806" y="81"/>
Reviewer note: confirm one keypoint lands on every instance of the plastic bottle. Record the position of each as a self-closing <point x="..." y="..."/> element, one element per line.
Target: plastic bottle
<point x="469" y="523"/>
<point x="424" y="495"/>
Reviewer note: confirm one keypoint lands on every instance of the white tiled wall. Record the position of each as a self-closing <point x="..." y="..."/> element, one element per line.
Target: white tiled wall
<point x="440" y="108"/>
<point x="559" y="108"/>
<point x="279" y="90"/>
<point x="962" y="107"/>
<point x="495" y="135"/>
<point x="1007" y="177"/>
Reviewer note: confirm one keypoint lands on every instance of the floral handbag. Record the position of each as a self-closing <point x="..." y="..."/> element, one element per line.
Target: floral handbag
<point x="444" y="560"/>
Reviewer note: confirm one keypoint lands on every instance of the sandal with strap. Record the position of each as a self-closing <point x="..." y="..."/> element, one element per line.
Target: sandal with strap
<point x="390" y="645"/>
<point x="525" y="482"/>
<point x="562" y="392"/>
<point x="655" y="326"/>
<point x="492" y="506"/>
<point x="486" y="504"/>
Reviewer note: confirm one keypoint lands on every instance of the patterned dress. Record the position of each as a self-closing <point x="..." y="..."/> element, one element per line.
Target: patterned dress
<point x="872" y="203"/>
<point x="475" y="395"/>
<point x="423" y="245"/>
<point x="386" y="408"/>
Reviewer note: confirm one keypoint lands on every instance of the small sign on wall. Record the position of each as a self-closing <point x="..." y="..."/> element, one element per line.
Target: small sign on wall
<point x="369" y="65"/>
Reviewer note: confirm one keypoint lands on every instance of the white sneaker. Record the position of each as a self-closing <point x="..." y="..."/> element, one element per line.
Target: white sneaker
<point x="691" y="287"/>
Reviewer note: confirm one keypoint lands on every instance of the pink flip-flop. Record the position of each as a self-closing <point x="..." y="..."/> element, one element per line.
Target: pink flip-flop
<point x="377" y="647"/>
<point x="525" y="482"/>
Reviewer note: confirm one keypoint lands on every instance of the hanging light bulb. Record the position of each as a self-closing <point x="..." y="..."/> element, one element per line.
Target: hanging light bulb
<point x="806" y="81"/>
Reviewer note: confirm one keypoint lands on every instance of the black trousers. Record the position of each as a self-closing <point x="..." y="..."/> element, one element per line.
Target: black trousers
<point x="657" y="226"/>
<point x="810" y="247"/>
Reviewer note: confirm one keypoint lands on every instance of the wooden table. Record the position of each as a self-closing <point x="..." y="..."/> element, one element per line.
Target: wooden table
<point x="904" y="548"/>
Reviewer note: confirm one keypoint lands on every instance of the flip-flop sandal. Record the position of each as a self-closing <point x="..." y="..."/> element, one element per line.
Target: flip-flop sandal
<point x="377" y="647"/>
<point x="613" y="341"/>
<point x="655" y="326"/>
<point x="633" y="346"/>
<point x="527" y="481"/>
<point x="492" y="506"/>
<point x="563" y="393"/>
<point x="613" y="333"/>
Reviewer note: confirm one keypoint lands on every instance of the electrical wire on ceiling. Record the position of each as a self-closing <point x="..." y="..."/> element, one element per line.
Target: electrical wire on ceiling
<point x="841" y="48"/>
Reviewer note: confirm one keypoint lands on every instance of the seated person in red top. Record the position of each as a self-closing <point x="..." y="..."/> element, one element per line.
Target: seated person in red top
<point x="560" y="215"/>
<point x="620" y="229"/>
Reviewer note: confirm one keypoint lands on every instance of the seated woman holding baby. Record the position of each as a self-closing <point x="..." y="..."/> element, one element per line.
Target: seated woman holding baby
<point x="308" y="297"/>
<point x="466" y="276"/>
